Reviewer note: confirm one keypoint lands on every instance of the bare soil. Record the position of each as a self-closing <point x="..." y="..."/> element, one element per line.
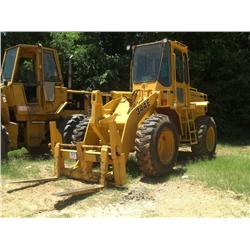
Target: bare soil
<point x="179" y="197"/>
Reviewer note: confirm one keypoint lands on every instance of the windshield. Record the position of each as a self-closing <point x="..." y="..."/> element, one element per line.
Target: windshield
<point x="9" y="64"/>
<point x="146" y="63"/>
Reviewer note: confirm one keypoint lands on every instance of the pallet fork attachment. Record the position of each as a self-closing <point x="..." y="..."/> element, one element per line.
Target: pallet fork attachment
<point x="81" y="191"/>
<point x="58" y="172"/>
<point x="34" y="180"/>
<point x="107" y="142"/>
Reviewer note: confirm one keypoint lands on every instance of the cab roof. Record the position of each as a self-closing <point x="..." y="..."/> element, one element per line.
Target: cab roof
<point x="165" y="40"/>
<point x="28" y="46"/>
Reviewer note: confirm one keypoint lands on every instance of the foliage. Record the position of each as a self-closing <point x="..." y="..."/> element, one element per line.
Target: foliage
<point x="219" y="66"/>
<point x="93" y="68"/>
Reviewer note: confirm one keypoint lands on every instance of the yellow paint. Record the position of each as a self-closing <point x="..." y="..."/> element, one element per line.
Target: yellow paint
<point x="210" y="139"/>
<point x="12" y="129"/>
<point x="166" y="146"/>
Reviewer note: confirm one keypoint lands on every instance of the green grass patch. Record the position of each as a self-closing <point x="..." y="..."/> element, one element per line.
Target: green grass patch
<point x="229" y="171"/>
<point x="21" y="164"/>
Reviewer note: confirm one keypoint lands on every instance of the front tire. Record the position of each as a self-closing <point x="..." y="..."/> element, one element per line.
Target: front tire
<point x="70" y="126"/>
<point x="156" y="145"/>
<point x="80" y="130"/>
<point x="207" y="138"/>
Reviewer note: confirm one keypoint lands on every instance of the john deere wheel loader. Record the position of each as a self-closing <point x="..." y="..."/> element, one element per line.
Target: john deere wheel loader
<point x="161" y="113"/>
<point x="32" y="94"/>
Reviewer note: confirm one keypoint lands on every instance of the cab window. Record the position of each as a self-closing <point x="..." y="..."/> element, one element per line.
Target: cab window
<point x="186" y="76"/>
<point x="164" y="78"/>
<point x="179" y="65"/>
<point x="26" y="71"/>
<point x="9" y="64"/>
<point x="50" y="70"/>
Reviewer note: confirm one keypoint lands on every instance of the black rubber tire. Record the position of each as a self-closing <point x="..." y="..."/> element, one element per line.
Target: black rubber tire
<point x="146" y="145"/>
<point x="200" y="150"/>
<point x="80" y="130"/>
<point x="4" y="143"/>
<point x="70" y="126"/>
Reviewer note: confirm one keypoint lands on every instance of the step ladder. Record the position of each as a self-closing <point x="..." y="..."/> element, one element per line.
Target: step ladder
<point x="188" y="126"/>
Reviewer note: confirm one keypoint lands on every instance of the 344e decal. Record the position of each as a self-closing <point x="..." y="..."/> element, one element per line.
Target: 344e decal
<point x="142" y="107"/>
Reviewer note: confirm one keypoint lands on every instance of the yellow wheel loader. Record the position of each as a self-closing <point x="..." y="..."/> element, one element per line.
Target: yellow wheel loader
<point x="32" y="94"/>
<point x="160" y="113"/>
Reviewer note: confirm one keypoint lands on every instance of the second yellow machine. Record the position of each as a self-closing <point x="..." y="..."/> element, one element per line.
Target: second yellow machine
<point x="32" y="94"/>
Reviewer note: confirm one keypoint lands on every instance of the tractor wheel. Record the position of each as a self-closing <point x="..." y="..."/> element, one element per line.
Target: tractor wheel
<point x="70" y="126"/>
<point x="156" y="145"/>
<point x="4" y="143"/>
<point x="80" y="130"/>
<point x="207" y="137"/>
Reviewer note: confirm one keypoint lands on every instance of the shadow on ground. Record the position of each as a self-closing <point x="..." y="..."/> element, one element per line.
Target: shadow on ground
<point x="183" y="159"/>
<point x="61" y="204"/>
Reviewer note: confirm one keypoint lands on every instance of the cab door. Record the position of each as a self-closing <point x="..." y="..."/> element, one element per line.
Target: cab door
<point x="180" y="74"/>
<point x="26" y="81"/>
<point x="50" y="75"/>
<point x="52" y="80"/>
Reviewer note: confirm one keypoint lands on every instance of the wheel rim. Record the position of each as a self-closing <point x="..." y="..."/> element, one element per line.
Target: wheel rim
<point x="210" y="139"/>
<point x="166" y="146"/>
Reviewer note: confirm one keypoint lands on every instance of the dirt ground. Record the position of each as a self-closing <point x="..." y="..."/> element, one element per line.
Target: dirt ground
<point x="174" y="198"/>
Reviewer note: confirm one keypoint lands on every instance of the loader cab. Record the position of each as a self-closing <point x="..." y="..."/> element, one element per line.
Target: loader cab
<point x="161" y="66"/>
<point x="151" y="64"/>
<point x="35" y="70"/>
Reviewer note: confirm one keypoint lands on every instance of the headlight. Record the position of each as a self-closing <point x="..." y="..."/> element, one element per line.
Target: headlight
<point x="4" y="99"/>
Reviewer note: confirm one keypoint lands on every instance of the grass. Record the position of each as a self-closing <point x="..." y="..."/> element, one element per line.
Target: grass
<point x="229" y="171"/>
<point x="22" y="165"/>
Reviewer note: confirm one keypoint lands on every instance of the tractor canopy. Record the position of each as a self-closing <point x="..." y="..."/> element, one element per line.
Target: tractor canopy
<point x="151" y="63"/>
<point x="8" y="64"/>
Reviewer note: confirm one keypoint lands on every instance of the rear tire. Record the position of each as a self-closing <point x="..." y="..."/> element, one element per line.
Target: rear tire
<point x="4" y="143"/>
<point x="80" y="130"/>
<point x="70" y="126"/>
<point x="156" y="145"/>
<point x="207" y="138"/>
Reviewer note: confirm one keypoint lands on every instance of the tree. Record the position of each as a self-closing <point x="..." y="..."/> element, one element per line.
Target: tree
<point x="93" y="67"/>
